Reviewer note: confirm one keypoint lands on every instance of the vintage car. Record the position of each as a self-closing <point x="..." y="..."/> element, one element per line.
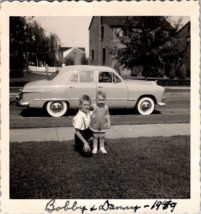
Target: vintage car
<point x="63" y="88"/>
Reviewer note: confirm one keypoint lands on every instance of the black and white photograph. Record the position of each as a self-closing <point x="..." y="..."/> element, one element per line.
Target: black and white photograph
<point x="101" y="107"/>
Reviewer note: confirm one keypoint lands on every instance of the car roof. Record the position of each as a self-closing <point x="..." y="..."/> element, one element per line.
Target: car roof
<point x="84" y="67"/>
<point x="67" y="70"/>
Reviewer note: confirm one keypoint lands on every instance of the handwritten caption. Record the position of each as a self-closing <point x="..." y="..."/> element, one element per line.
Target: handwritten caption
<point x="106" y="206"/>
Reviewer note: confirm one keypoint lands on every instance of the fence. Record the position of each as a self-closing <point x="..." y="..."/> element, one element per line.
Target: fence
<point x="41" y="69"/>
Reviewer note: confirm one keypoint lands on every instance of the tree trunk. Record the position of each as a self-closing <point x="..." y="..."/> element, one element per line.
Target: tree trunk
<point x="36" y="61"/>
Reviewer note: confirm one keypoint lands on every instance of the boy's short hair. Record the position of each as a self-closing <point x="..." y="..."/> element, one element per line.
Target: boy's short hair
<point x="84" y="98"/>
<point x="101" y="93"/>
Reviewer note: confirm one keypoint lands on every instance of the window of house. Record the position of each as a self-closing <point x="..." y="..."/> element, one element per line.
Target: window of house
<point x="102" y="32"/>
<point x="92" y="55"/>
<point x="188" y="40"/>
<point x="86" y="76"/>
<point x="104" y="56"/>
<point x="105" y="77"/>
<point x="118" y="31"/>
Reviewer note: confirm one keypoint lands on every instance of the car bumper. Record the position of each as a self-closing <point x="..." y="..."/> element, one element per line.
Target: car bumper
<point x="162" y="103"/>
<point x="19" y="103"/>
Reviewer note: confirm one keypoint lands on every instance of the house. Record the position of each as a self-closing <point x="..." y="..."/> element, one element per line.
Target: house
<point x="102" y="34"/>
<point x="184" y="39"/>
<point x="71" y="53"/>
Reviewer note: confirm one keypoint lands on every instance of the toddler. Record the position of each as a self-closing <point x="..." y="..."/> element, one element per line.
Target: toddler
<point x="100" y="121"/>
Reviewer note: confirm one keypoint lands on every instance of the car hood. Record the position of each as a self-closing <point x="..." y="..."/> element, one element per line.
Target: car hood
<point x="140" y="82"/>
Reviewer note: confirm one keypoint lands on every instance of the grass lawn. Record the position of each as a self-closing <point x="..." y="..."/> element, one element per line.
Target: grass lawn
<point x="137" y="168"/>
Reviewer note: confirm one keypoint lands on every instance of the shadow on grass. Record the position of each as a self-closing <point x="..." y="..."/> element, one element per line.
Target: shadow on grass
<point x="140" y="168"/>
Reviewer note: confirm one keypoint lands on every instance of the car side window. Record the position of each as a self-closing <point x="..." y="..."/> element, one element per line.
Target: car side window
<point x="74" y="78"/>
<point x="86" y="76"/>
<point x="116" y="78"/>
<point x="105" y="77"/>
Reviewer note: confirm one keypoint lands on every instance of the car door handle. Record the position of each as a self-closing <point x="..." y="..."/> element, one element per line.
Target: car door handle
<point x="100" y="86"/>
<point x="70" y="86"/>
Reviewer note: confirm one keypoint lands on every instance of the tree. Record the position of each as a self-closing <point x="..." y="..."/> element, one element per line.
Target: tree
<point x="28" y="40"/>
<point x="84" y="60"/>
<point x="144" y="42"/>
<point x="19" y="42"/>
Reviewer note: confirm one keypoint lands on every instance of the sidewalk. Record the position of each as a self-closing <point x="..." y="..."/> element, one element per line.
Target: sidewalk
<point x="120" y="131"/>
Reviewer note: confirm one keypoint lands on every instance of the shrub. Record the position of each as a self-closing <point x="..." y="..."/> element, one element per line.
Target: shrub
<point x="151" y="71"/>
<point x="69" y="60"/>
<point x="160" y="72"/>
<point x="137" y="70"/>
<point x="172" y="71"/>
<point x="174" y="82"/>
<point x="182" y="72"/>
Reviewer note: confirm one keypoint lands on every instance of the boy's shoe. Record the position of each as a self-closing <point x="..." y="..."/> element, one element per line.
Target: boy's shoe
<point x="102" y="149"/>
<point x="95" y="150"/>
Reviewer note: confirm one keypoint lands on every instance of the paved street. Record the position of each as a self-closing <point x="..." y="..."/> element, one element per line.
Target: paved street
<point x="177" y="110"/>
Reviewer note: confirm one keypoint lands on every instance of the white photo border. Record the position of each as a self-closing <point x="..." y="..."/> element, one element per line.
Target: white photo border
<point x="81" y="8"/>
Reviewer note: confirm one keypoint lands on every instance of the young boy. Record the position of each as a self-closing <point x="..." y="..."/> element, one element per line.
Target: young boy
<point x="81" y="123"/>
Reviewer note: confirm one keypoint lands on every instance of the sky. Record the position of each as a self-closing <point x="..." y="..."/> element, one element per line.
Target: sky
<point x="73" y="31"/>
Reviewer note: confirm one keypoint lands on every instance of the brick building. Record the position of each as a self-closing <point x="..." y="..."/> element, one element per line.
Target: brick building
<point x="102" y="34"/>
<point x="184" y="39"/>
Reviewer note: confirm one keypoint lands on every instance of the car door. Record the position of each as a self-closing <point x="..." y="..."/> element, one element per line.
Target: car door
<point x="81" y="82"/>
<point x="115" y="88"/>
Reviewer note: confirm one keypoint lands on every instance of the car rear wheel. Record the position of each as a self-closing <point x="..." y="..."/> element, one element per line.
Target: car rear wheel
<point x="145" y="106"/>
<point x="56" y="108"/>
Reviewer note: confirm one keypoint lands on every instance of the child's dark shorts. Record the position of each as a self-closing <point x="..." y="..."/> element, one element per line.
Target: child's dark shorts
<point x="79" y="145"/>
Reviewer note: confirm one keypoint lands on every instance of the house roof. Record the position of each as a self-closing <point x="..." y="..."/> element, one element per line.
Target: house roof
<point x="116" y="21"/>
<point x="67" y="48"/>
<point x="188" y="23"/>
<point x="91" y="22"/>
<point x="67" y="52"/>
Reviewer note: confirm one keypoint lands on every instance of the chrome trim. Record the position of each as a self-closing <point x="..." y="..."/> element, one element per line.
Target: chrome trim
<point x="31" y="91"/>
<point x="161" y="104"/>
<point x="114" y="99"/>
<point x="109" y="99"/>
<point x="21" y="104"/>
<point x="55" y="99"/>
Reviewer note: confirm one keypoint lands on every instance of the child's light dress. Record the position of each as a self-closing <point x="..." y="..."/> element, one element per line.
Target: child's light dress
<point x="99" y="121"/>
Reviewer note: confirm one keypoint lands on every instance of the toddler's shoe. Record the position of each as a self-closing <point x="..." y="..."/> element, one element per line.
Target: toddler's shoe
<point x="95" y="150"/>
<point x="102" y="149"/>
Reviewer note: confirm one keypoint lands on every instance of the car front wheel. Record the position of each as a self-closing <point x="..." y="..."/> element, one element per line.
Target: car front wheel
<point x="145" y="106"/>
<point x="56" y="108"/>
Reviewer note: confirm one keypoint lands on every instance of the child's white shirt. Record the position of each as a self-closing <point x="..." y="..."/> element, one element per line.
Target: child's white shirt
<point x="81" y="120"/>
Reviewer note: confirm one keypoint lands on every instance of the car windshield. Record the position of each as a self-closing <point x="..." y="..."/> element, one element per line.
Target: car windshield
<point x="53" y="75"/>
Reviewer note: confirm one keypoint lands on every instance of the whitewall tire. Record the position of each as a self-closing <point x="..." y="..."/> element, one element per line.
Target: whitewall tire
<point x="56" y="108"/>
<point x="145" y="106"/>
